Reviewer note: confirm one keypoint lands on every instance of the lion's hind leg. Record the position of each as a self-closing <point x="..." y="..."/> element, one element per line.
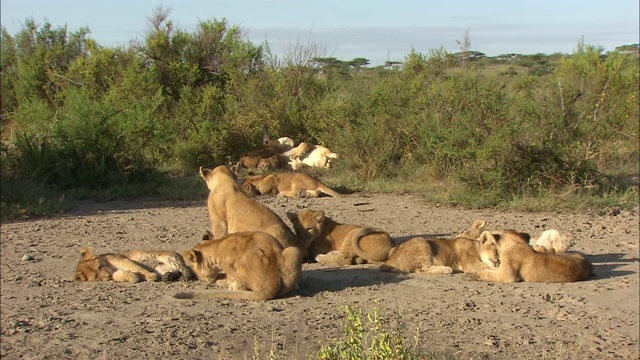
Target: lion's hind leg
<point x="334" y="258"/>
<point x="500" y="274"/>
<point x="435" y="270"/>
<point x="132" y="266"/>
<point x="172" y="263"/>
<point x="123" y="275"/>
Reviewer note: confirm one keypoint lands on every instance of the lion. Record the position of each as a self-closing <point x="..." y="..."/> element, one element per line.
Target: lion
<point x="320" y="157"/>
<point x="519" y="262"/>
<point x="549" y="241"/>
<point x="130" y="267"/>
<point x="441" y="256"/>
<point x="257" y="267"/>
<point x="275" y="162"/>
<point x="231" y="210"/>
<point x="289" y="184"/>
<point x="552" y="241"/>
<point x="335" y="244"/>
<point x="286" y="143"/>
<point x="298" y="151"/>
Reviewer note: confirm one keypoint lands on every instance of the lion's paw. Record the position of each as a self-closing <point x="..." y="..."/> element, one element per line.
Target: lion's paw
<point x="151" y="277"/>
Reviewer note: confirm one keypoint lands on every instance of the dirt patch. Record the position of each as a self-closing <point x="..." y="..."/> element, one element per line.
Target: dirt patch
<point x="47" y="316"/>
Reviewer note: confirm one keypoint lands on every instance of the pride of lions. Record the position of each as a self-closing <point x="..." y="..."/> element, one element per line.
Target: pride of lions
<point x="252" y="252"/>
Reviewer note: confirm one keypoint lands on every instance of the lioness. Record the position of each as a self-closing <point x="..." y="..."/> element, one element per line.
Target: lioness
<point x="441" y="256"/>
<point x="257" y="267"/>
<point x="519" y="262"/>
<point x="231" y="210"/>
<point x="287" y="184"/>
<point x="129" y="266"/>
<point x="338" y="244"/>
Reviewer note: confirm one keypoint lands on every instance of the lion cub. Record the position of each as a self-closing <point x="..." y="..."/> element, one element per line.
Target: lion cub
<point x="519" y="262"/>
<point x="231" y="210"/>
<point x="552" y="241"/>
<point x="129" y="266"/>
<point x="289" y="184"/>
<point x="338" y="244"/>
<point x="441" y="256"/>
<point x="257" y="267"/>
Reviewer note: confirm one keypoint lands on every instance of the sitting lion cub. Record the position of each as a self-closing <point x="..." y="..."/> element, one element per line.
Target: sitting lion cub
<point x="231" y="210"/>
<point x="257" y="267"/>
<point x="519" y="262"/>
<point x="289" y="184"/>
<point x="129" y="266"/>
<point x="338" y="244"/>
<point x="441" y="256"/>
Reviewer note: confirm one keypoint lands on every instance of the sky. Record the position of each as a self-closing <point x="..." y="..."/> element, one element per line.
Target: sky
<point x="347" y="29"/>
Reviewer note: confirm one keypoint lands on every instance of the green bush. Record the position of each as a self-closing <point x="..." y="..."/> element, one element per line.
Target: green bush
<point x="78" y="115"/>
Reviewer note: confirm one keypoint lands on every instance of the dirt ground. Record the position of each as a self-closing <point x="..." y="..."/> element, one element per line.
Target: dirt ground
<point x="45" y="315"/>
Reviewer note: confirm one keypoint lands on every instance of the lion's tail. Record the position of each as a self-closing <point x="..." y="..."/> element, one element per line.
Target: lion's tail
<point x="327" y="190"/>
<point x="290" y="269"/>
<point x="380" y="254"/>
<point x="225" y="294"/>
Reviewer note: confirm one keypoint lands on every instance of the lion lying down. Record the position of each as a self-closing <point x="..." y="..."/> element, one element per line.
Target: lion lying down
<point x="519" y="262"/>
<point x="289" y="184"/>
<point x="441" y="256"/>
<point x="257" y="267"/>
<point x="130" y="266"/>
<point x="549" y="241"/>
<point x="337" y="244"/>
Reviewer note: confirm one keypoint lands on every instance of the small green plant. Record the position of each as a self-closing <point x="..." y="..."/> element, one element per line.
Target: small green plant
<point x="366" y="337"/>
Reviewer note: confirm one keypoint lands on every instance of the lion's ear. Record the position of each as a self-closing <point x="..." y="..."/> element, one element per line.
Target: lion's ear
<point x="87" y="254"/>
<point x="320" y="216"/>
<point x="208" y="235"/>
<point x="487" y="238"/>
<point x="478" y="224"/>
<point x="525" y="236"/>
<point x="191" y="256"/>
<point x="204" y="172"/>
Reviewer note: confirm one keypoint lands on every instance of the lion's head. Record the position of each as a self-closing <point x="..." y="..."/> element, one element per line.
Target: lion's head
<point x="307" y="224"/>
<point x="489" y="249"/>
<point x="91" y="268"/>
<point x="200" y="263"/>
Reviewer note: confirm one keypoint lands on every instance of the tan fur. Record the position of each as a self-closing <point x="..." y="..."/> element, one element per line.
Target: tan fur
<point x="257" y="267"/>
<point x="251" y="159"/>
<point x="441" y="256"/>
<point x="231" y="210"/>
<point x="299" y="150"/>
<point x="320" y="157"/>
<point x="275" y="162"/>
<point x="287" y="184"/>
<point x="130" y="266"/>
<point x="475" y="230"/>
<point x="338" y="244"/>
<point x="519" y="262"/>
<point x="552" y="241"/>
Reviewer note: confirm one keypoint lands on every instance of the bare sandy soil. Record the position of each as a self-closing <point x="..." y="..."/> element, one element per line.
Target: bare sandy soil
<point x="47" y="316"/>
